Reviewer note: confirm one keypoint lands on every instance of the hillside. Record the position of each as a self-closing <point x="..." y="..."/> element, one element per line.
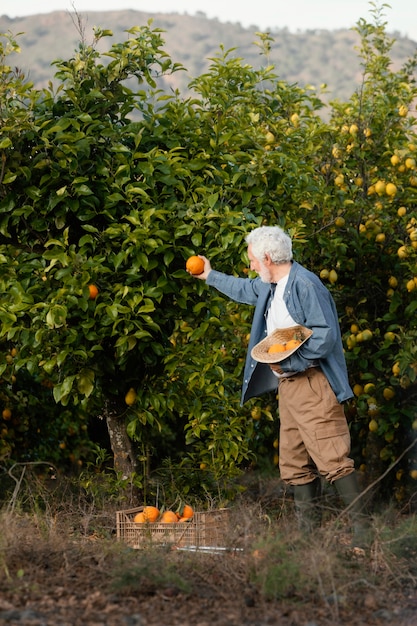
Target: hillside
<point x="312" y="57"/>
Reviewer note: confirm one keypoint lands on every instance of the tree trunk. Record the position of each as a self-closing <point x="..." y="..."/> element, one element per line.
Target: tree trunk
<point x="124" y="459"/>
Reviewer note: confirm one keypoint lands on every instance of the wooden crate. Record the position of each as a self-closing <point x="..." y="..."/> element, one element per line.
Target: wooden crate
<point x="206" y="528"/>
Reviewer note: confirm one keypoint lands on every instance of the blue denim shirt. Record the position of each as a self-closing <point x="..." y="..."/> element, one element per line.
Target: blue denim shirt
<point x="310" y="304"/>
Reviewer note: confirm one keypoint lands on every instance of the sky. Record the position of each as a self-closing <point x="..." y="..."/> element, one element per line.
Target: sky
<point x="400" y="15"/>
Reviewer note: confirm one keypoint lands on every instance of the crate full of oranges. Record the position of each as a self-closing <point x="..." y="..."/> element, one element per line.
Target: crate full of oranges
<point x="146" y="525"/>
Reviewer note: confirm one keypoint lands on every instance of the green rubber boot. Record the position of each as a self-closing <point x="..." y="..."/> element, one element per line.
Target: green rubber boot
<point x="307" y="509"/>
<point x="349" y="490"/>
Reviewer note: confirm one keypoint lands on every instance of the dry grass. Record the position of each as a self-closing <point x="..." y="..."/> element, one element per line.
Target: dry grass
<point x="63" y="551"/>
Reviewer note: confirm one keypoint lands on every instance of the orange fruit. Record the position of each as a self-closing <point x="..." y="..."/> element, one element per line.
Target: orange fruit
<point x="168" y="517"/>
<point x="277" y="347"/>
<point x="187" y="512"/>
<point x="150" y="513"/>
<point x="93" y="292"/>
<point x="139" y="518"/>
<point x="292" y="343"/>
<point x="195" y="265"/>
<point x="6" y="414"/>
<point x="184" y="519"/>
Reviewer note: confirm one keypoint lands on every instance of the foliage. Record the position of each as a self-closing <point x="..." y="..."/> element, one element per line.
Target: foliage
<point x="109" y="181"/>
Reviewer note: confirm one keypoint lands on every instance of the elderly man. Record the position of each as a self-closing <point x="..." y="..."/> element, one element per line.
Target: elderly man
<point x="312" y="382"/>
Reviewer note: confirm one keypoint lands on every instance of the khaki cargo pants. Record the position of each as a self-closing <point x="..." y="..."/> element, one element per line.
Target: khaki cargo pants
<point x="314" y="434"/>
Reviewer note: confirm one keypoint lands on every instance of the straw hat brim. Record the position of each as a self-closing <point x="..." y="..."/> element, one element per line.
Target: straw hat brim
<point x="280" y="335"/>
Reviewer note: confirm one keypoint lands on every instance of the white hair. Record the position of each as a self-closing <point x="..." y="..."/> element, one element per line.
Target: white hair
<point x="271" y="240"/>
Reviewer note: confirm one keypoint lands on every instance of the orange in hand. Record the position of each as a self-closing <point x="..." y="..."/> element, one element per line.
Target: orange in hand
<point x="195" y="265"/>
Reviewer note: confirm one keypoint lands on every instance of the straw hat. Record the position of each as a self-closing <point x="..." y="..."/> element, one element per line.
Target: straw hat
<point x="280" y="335"/>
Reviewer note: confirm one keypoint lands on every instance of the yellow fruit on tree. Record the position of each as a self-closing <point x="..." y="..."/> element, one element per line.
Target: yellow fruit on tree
<point x="392" y="281"/>
<point x="373" y="426"/>
<point x="380" y="238"/>
<point x="336" y="152"/>
<point x="353" y="130"/>
<point x="410" y="163"/>
<point x="401" y="211"/>
<point x="256" y="413"/>
<point x="339" y="180"/>
<point x="410" y="285"/>
<point x="339" y="221"/>
<point x="388" y="393"/>
<point x="413" y="474"/>
<point x="380" y="187"/>
<point x="357" y="390"/>
<point x="295" y="119"/>
<point x="396" y="370"/>
<point x="402" y="110"/>
<point x="324" y="274"/>
<point x="369" y="388"/>
<point x="130" y="397"/>
<point x="395" y="159"/>
<point x="333" y="276"/>
<point x="351" y="342"/>
<point x="389" y="336"/>
<point x="391" y="189"/>
<point x="269" y="137"/>
<point x="402" y="252"/>
<point x="367" y="334"/>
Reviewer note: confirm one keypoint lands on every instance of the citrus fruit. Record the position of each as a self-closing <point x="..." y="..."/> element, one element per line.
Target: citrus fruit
<point x="7" y="414"/>
<point x="195" y="265"/>
<point x="358" y="390"/>
<point x="150" y="513"/>
<point x="390" y="189"/>
<point x="168" y="517"/>
<point x="276" y="347"/>
<point x="292" y="343"/>
<point x="187" y="512"/>
<point x="256" y="412"/>
<point x="93" y="292"/>
<point x="139" y="518"/>
<point x="396" y="369"/>
<point x="130" y="397"/>
<point x="388" y="393"/>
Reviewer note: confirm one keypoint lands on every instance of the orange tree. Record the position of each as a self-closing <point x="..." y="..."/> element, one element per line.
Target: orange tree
<point x="363" y="231"/>
<point x="113" y="187"/>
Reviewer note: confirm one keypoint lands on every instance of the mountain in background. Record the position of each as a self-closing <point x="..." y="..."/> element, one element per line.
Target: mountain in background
<point x="313" y="57"/>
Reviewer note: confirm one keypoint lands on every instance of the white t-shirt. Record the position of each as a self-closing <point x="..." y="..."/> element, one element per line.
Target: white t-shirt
<point x="278" y="315"/>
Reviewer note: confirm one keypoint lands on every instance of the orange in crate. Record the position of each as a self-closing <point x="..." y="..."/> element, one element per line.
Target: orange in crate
<point x="206" y="528"/>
